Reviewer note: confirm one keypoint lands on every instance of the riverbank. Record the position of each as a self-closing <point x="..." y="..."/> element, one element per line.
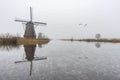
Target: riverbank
<point x="22" y="41"/>
<point x="94" y="40"/>
<point x="29" y="41"/>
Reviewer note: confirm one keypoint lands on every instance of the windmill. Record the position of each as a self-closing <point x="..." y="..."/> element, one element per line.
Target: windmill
<point x="29" y="26"/>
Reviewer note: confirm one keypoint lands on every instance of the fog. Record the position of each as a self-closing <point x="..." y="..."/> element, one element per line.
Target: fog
<point x="63" y="17"/>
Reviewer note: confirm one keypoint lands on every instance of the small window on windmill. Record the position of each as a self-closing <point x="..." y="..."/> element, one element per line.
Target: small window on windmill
<point x="98" y="36"/>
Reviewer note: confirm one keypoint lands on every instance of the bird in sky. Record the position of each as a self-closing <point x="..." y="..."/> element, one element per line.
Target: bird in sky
<point x="80" y="24"/>
<point x="84" y="25"/>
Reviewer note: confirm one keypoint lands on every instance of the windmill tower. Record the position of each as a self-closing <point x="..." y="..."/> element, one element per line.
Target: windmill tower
<point x="29" y="26"/>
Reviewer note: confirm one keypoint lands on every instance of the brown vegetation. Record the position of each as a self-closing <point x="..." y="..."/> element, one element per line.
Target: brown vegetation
<point x="8" y="39"/>
<point x="22" y="41"/>
<point x="29" y="41"/>
<point x="95" y="40"/>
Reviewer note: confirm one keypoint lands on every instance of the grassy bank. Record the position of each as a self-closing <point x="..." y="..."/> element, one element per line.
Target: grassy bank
<point x="29" y="41"/>
<point x="94" y="40"/>
<point x="8" y="41"/>
<point x="22" y="41"/>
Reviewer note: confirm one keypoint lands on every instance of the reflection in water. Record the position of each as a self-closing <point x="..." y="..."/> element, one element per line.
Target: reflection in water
<point x="30" y="56"/>
<point x="97" y="45"/>
<point x="39" y="45"/>
<point x="30" y="51"/>
<point x="64" y="63"/>
<point x="9" y="47"/>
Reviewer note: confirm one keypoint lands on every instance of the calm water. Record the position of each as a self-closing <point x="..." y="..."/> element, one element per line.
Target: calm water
<point x="61" y="60"/>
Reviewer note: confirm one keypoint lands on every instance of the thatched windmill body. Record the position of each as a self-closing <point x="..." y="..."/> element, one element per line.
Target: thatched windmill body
<point x="29" y="26"/>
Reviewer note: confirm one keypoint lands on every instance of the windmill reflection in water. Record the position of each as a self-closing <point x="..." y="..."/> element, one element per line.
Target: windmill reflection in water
<point x="30" y="56"/>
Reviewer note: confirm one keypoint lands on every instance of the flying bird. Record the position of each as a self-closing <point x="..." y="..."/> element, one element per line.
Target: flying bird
<point x="85" y="25"/>
<point x="80" y="24"/>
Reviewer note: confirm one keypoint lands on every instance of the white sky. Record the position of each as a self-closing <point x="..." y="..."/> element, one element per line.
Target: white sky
<point x="63" y="17"/>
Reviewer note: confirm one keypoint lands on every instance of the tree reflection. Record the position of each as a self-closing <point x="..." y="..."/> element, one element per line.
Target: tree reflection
<point x="9" y="47"/>
<point x="97" y="45"/>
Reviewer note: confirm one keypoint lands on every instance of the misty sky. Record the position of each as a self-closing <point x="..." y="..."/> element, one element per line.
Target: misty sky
<point x="63" y="17"/>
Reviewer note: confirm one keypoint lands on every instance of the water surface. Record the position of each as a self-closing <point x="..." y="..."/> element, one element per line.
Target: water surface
<point x="61" y="60"/>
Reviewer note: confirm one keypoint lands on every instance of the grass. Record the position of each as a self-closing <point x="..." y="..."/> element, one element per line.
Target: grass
<point x="94" y="40"/>
<point x="21" y="41"/>
<point x="8" y="41"/>
<point x="29" y="41"/>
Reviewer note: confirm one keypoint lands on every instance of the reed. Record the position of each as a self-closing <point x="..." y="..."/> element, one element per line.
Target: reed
<point x="8" y="39"/>
<point x="95" y="40"/>
<point x="29" y="41"/>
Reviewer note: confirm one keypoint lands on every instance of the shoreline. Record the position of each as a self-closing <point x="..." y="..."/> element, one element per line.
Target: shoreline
<point x="22" y="41"/>
<point x="30" y="41"/>
<point x="94" y="40"/>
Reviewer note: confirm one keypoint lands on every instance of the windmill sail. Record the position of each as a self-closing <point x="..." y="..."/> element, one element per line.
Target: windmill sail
<point x="39" y="23"/>
<point x="31" y="14"/>
<point x="20" y="20"/>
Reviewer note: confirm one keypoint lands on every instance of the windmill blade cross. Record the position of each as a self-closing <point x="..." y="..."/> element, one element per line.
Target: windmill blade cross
<point x="42" y="58"/>
<point x="18" y="20"/>
<point x="31" y="16"/>
<point x="36" y="59"/>
<point x="39" y="23"/>
<point x="21" y="61"/>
